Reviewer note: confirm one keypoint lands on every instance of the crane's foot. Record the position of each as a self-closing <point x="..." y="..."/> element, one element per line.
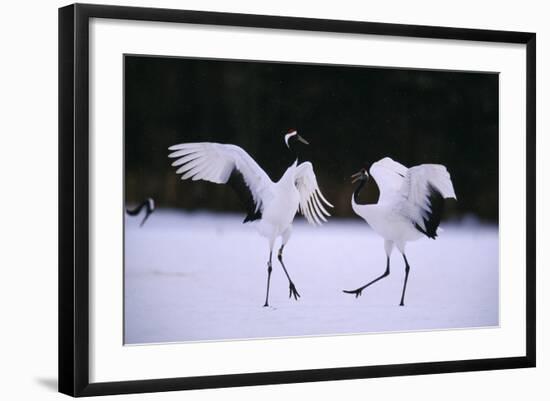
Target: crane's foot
<point x="266" y="305"/>
<point x="293" y="292"/>
<point x="356" y="292"/>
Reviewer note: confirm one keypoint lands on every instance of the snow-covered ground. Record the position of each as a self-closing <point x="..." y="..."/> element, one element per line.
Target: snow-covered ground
<point x="199" y="276"/>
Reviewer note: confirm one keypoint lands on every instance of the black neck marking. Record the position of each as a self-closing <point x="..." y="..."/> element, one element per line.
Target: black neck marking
<point x="135" y="211"/>
<point x="370" y="194"/>
<point x="149" y="206"/>
<point x="297" y="148"/>
<point x="362" y="183"/>
<point x="294" y="154"/>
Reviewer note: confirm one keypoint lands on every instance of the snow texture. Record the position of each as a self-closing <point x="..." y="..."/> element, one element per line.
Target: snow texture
<point x="202" y="276"/>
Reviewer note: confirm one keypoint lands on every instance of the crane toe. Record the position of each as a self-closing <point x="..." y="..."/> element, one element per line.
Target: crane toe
<point x="293" y="292"/>
<point x="356" y="292"/>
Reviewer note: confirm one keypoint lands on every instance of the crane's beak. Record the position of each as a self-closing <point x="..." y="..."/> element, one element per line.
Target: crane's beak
<point x="357" y="176"/>
<point x="298" y="137"/>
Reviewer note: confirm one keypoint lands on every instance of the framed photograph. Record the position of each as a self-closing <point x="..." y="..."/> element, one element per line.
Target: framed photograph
<point x="251" y="199"/>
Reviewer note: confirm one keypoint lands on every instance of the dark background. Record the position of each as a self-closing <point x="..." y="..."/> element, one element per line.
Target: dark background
<point x="352" y="117"/>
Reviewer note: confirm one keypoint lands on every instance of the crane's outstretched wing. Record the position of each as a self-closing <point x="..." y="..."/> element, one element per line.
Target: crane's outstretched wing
<point x="224" y="164"/>
<point x="389" y="176"/>
<point x="422" y="193"/>
<point x="311" y="198"/>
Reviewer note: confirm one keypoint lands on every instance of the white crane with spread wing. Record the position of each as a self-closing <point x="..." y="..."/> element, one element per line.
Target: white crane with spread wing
<point x="271" y="206"/>
<point x="409" y="207"/>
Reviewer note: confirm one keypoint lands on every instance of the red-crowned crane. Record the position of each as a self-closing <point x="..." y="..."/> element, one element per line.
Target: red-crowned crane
<point x="409" y="207"/>
<point x="271" y="206"/>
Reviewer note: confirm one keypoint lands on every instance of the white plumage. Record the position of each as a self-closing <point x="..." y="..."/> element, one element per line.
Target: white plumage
<point x="410" y="205"/>
<point x="311" y="198"/>
<point x="271" y="206"/>
<point x="216" y="162"/>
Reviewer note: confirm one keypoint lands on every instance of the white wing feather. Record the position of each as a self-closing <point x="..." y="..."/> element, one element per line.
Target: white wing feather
<point x="215" y="162"/>
<point x="389" y="176"/>
<point x="311" y="198"/>
<point x="415" y="190"/>
<point x="409" y="188"/>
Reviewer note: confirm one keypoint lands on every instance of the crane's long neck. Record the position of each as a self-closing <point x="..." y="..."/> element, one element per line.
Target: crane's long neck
<point x="355" y="205"/>
<point x="295" y="155"/>
<point x="137" y="210"/>
<point x="358" y="190"/>
<point x="296" y="150"/>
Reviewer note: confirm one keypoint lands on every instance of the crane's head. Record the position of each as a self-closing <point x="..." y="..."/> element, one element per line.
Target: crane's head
<point x="292" y="136"/>
<point x="361" y="175"/>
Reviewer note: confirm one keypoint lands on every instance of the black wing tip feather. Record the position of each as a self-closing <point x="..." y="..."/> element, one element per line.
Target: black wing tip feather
<point x="237" y="182"/>
<point x="252" y="216"/>
<point x="436" y="200"/>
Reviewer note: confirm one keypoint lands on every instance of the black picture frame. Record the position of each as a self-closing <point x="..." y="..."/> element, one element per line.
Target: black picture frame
<point x="74" y="198"/>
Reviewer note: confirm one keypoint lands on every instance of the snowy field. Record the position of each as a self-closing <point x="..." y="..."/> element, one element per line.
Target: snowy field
<point x="198" y="277"/>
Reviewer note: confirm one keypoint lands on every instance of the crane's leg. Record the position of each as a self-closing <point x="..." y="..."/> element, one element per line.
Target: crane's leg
<point x="292" y="289"/>
<point x="407" y="268"/>
<point x="388" y="246"/>
<point x="269" y="269"/>
<point x="359" y="290"/>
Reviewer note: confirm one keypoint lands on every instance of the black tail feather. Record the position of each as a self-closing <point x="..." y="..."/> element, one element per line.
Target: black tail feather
<point x="237" y="182"/>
